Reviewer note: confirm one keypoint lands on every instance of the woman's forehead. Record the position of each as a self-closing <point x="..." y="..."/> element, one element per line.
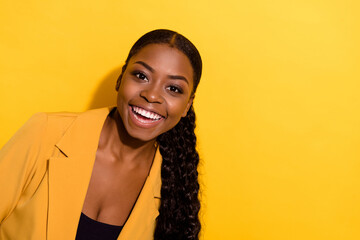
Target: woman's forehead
<point x="163" y="57"/>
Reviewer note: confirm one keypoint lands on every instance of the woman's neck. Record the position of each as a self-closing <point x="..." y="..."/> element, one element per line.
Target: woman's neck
<point x="115" y="140"/>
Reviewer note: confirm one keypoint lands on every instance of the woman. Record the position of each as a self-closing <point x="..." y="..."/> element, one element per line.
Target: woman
<point x="128" y="172"/>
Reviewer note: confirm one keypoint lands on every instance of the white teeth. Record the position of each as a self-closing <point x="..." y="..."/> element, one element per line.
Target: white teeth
<point x="146" y="114"/>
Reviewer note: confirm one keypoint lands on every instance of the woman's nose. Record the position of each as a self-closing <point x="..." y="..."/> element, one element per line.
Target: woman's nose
<point x="152" y="94"/>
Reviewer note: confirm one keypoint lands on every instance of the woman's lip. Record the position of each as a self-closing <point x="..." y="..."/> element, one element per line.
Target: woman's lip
<point x="143" y="122"/>
<point x="148" y="110"/>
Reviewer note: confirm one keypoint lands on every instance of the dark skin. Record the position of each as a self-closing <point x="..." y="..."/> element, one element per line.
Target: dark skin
<point x="162" y="86"/>
<point x="118" y="175"/>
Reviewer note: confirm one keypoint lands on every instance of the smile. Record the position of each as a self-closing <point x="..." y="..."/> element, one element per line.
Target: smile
<point x="146" y="114"/>
<point x="145" y="118"/>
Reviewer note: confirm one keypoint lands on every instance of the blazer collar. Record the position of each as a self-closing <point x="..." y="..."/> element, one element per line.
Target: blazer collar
<point x="69" y="177"/>
<point x="70" y="172"/>
<point x="141" y="222"/>
<point x="83" y="135"/>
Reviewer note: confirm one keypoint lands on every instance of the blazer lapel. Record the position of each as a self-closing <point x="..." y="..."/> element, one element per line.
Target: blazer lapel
<point x="70" y="171"/>
<point x="141" y="223"/>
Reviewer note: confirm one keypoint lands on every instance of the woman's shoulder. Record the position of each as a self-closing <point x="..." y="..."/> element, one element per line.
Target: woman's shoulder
<point x="50" y="126"/>
<point x="64" y="119"/>
<point x="71" y="115"/>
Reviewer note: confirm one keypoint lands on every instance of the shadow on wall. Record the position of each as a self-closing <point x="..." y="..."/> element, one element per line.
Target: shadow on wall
<point x="105" y="94"/>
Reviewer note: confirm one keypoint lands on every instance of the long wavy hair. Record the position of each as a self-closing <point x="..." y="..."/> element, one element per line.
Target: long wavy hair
<point x="180" y="205"/>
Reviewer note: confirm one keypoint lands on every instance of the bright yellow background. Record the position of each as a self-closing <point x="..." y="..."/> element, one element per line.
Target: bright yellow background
<point x="278" y="106"/>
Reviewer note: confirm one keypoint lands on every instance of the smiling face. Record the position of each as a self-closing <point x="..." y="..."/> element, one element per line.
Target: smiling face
<point x="155" y="91"/>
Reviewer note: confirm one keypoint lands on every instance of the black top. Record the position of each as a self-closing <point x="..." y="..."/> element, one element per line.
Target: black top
<point x="90" y="229"/>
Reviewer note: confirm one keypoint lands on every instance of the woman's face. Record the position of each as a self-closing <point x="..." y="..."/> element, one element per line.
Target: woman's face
<point x="155" y="91"/>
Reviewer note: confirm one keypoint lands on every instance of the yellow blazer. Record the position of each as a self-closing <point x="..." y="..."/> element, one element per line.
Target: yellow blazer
<point x="45" y="171"/>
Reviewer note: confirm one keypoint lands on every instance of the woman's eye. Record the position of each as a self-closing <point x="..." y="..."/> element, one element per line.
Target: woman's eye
<point x="175" y="89"/>
<point x="141" y="76"/>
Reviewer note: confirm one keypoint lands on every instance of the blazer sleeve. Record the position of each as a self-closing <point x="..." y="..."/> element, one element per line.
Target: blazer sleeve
<point x="18" y="159"/>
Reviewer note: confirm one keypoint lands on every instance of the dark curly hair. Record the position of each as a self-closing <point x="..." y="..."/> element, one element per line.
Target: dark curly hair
<point x="180" y="205"/>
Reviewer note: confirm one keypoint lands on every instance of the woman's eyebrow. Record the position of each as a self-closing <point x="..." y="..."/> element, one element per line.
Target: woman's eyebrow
<point x="178" y="77"/>
<point x="145" y="65"/>
<point x="175" y="77"/>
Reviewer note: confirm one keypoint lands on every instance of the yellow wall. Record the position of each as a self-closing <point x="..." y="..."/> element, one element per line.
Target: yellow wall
<point x="278" y="106"/>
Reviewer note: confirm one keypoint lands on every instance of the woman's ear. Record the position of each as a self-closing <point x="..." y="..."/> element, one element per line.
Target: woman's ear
<point x="190" y="102"/>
